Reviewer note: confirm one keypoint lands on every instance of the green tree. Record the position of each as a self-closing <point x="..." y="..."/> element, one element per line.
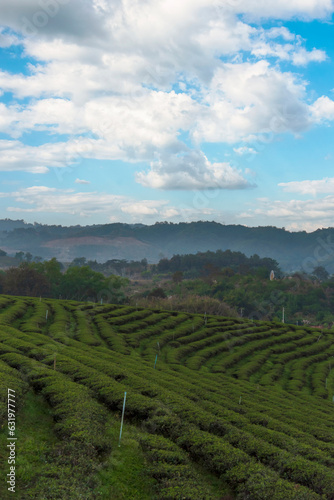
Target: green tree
<point x="113" y="291"/>
<point x="80" y="283"/>
<point x="25" y="280"/>
<point x="28" y="257"/>
<point x="157" y="293"/>
<point x="144" y="263"/>
<point x="321" y="273"/>
<point x="54" y="275"/>
<point x="19" y="256"/>
<point x="51" y="269"/>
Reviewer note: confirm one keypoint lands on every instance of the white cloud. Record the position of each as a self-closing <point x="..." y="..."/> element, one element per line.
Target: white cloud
<point x="298" y="55"/>
<point x="14" y="156"/>
<point x="293" y="214"/>
<point x="7" y="39"/>
<point x="245" y="150"/>
<point x="134" y="128"/>
<point x="51" y="115"/>
<point x="302" y="57"/>
<point x="145" y="207"/>
<point x="94" y="206"/>
<point x="284" y="9"/>
<point x="133" y="75"/>
<point x="118" y="47"/>
<point x="191" y="170"/>
<point x="43" y="199"/>
<point x="322" y="109"/>
<point x="314" y="187"/>
<point x="169" y="213"/>
<point x="281" y="32"/>
<point x="152" y="119"/>
<point x="246" y="99"/>
<point x="81" y="181"/>
<point x="59" y="156"/>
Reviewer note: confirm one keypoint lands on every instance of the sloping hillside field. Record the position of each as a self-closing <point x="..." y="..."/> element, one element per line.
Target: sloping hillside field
<point x="216" y="408"/>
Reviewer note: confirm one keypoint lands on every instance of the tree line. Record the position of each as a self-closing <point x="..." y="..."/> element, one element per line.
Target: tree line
<point x="195" y="265"/>
<point x="48" y="279"/>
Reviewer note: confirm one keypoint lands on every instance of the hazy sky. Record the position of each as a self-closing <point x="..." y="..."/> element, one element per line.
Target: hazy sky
<point x="138" y="111"/>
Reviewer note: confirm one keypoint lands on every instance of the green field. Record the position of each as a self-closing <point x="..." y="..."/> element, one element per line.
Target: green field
<point x="233" y="409"/>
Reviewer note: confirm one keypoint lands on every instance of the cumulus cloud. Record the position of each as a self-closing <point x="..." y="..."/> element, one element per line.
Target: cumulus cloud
<point x="14" y="156"/>
<point x="125" y="80"/>
<point x="245" y="99"/>
<point x="135" y="128"/>
<point x="153" y="118"/>
<point x="51" y="115"/>
<point x="298" y="55"/>
<point x="322" y="109"/>
<point x="191" y="170"/>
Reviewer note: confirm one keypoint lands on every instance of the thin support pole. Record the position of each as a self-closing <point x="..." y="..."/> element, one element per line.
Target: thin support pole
<point x="120" y="433"/>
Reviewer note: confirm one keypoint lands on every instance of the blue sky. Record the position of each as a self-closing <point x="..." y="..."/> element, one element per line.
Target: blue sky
<point x="142" y="111"/>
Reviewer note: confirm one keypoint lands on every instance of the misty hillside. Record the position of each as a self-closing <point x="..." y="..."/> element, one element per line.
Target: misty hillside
<point x="292" y="250"/>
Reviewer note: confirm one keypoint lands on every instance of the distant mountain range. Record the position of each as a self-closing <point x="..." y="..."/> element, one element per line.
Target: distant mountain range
<point x="292" y="250"/>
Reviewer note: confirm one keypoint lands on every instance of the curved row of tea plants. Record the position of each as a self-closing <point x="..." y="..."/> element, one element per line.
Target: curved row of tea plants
<point x="248" y="402"/>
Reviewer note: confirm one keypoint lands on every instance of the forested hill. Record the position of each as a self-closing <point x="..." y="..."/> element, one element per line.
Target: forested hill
<point x="292" y="250"/>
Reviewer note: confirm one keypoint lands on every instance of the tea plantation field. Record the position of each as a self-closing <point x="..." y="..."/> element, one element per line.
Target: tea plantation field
<point x="216" y="408"/>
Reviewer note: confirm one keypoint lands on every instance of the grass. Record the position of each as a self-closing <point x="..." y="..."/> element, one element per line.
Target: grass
<point x="35" y="437"/>
<point x="123" y="475"/>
